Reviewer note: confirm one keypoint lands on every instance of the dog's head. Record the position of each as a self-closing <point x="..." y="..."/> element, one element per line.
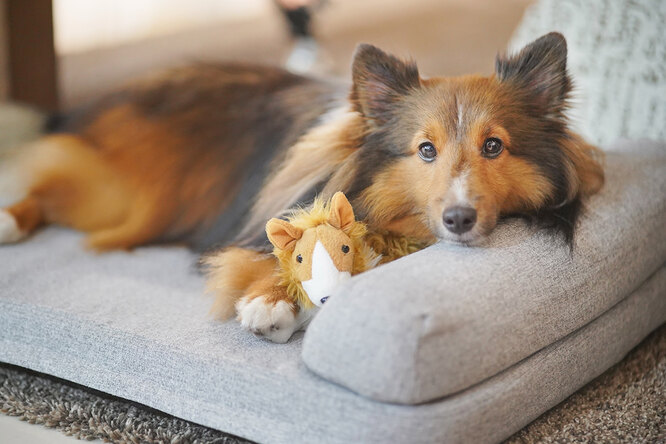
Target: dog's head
<point x="450" y="156"/>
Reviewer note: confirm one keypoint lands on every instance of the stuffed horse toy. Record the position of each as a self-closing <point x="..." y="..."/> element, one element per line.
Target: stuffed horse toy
<point x="320" y="248"/>
<point x="316" y="249"/>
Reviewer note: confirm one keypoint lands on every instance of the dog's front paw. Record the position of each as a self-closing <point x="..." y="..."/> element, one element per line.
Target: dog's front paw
<point x="275" y="321"/>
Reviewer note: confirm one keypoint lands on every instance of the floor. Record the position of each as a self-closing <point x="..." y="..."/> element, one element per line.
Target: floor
<point x="14" y="431"/>
<point x="445" y="37"/>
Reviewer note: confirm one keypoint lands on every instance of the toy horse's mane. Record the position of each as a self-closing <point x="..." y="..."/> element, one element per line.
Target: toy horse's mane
<point x="311" y="217"/>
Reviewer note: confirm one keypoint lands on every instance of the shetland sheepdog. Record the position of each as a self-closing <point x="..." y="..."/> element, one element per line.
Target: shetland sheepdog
<point x="205" y="155"/>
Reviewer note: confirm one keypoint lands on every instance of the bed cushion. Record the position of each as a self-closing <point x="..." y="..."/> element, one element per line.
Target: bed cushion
<point x="438" y="321"/>
<point x="136" y="328"/>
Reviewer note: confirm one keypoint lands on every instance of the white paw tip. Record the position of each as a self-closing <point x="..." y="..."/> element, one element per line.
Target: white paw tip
<point x="9" y="229"/>
<point x="276" y="322"/>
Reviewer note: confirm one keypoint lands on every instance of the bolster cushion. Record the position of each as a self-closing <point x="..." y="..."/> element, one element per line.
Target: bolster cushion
<point x="440" y="320"/>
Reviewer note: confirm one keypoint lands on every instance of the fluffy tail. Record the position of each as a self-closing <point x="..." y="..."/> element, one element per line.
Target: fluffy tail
<point x="230" y="273"/>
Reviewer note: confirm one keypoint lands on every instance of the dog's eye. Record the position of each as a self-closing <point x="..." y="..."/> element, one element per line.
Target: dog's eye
<point x="345" y="249"/>
<point x="492" y="147"/>
<point x="427" y="151"/>
<point x="299" y="258"/>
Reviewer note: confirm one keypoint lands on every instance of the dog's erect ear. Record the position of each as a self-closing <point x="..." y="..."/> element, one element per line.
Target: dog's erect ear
<point x="379" y="80"/>
<point x="282" y="234"/>
<point x="342" y="213"/>
<point x="540" y="69"/>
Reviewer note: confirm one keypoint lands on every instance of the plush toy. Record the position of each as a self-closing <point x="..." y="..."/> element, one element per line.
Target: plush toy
<point x="319" y="248"/>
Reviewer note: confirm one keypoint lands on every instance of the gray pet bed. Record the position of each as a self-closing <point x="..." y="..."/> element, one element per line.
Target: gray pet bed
<point x="450" y="344"/>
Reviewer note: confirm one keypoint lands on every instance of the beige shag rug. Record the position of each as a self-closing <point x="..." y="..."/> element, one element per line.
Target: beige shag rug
<point x="625" y="404"/>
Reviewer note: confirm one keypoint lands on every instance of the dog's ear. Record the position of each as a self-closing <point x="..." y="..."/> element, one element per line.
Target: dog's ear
<point x="379" y="81"/>
<point x="540" y="70"/>
<point x="586" y="166"/>
<point x="584" y="175"/>
<point x="342" y="213"/>
<point x="282" y="234"/>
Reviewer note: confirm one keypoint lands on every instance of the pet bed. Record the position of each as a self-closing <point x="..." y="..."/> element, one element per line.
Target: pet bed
<point x="450" y="344"/>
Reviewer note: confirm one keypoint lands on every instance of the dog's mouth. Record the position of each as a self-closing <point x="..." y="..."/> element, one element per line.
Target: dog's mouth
<point x="474" y="237"/>
<point x="467" y="239"/>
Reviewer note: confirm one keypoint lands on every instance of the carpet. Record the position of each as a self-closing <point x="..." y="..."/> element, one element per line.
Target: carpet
<point x="625" y="404"/>
<point x="88" y="414"/>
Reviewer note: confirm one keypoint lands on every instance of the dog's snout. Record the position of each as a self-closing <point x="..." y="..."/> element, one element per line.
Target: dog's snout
<point x="459" y="220"/>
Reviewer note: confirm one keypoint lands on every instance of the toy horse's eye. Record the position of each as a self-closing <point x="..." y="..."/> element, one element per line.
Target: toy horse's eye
<point x="345" y="249"/>
<point x="299" y="258"/>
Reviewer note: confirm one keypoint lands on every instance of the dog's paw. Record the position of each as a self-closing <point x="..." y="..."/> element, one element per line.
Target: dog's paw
<point x="9" y="229"/>
<point x="273" y="321"/>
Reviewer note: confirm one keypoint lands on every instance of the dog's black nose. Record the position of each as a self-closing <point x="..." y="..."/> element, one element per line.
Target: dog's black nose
<point x="459" y="220"/>
<point x="322" y="300"/>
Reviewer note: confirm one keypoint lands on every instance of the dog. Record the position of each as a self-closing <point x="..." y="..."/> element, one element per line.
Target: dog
<point x="205" y="155"/>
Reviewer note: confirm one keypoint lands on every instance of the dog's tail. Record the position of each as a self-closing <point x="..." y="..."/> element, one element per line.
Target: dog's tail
<point x="231" y="272"/>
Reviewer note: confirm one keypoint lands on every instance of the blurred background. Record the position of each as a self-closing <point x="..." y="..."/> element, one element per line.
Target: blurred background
<point x="55" y="54"/>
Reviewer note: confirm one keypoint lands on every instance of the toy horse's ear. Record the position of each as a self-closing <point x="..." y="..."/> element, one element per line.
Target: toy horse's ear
<point x="342" y="213"/>
<point x="282" y="234"/>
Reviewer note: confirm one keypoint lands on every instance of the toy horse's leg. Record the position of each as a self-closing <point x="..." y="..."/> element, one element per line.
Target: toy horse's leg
<point x="245" y="282"/>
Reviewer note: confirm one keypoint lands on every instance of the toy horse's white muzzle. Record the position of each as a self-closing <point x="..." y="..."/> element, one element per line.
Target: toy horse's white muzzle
<point x="326" y="278"/>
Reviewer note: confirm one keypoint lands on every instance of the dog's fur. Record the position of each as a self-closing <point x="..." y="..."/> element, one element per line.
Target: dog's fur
<point x="182" y="156"/>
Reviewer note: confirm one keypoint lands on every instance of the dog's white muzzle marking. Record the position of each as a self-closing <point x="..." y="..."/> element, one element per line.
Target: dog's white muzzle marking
<point x="325" y="276"/>
<point x="460" y="189"/>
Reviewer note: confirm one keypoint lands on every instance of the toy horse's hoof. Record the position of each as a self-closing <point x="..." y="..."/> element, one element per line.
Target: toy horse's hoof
<point x="324" y="299"/>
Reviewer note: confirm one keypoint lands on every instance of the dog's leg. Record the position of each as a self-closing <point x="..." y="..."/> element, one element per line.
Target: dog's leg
<point x="68" y="183"/>
<point x="132" y="232"/>
<point x="230" y="273"/>
<point x="245" y="281"/>
<point x="268" y="311"/>
<point x="143" y="220"/>
<point x="19" y="220"/>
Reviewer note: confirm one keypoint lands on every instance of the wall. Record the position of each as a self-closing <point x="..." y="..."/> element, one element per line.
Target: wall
<point x="4" y="68"/>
